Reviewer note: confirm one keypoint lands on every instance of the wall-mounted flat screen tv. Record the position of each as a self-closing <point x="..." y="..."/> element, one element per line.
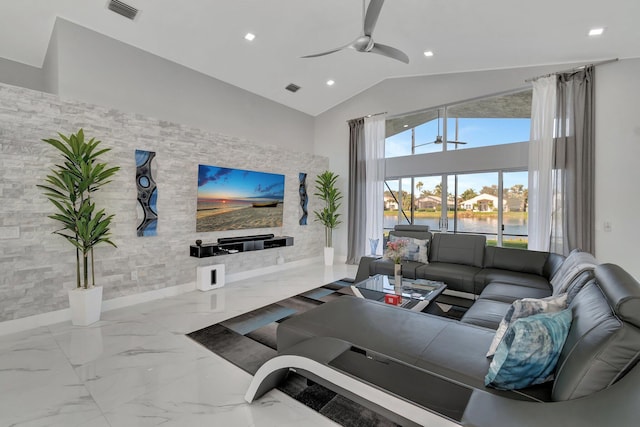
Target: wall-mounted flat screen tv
<point x="234" y="199"/>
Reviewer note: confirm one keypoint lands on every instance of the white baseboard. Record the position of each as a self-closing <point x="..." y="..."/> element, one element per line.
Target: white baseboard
<point x="31" y="322"/>
<point x="272" y="269"/>
<point x="134" y="299"/>
<point x="44" y="319"/>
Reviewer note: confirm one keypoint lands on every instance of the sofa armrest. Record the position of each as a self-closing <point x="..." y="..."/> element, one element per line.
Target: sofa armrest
<point x="390" y="387"/>
<point x="363" y="268"/>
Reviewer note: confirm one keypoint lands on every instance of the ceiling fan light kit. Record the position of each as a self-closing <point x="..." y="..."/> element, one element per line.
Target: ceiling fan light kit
<point x="364" y="43"/>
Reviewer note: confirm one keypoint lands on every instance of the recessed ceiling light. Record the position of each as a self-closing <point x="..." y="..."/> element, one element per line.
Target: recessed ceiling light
<point x="249" y="37"/>
<point x="428" y="53"/>
<point x="330" y="82"/>
<point x="405" y="126"/>
<point x="596" y="31"/>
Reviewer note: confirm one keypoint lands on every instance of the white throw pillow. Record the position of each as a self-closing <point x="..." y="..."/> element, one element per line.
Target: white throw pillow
<point x="416" y="249"/>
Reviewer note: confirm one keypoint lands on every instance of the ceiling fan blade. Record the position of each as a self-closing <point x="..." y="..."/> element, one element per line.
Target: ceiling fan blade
<point x="440" y="141"/>
<point x="390" y="52"/>
<point x="325" y="53"/>
<point x="371" y="17"/>
<point x="425" y="143"/>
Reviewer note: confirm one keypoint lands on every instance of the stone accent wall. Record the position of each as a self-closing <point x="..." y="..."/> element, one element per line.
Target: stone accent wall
<point x="37" y="268"/>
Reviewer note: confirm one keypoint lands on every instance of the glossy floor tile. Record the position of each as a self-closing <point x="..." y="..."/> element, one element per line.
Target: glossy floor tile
<point x="137" y="368"/>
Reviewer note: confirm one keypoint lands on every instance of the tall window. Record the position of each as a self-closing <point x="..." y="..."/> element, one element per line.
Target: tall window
<point x="489" y="121"/>
<point x="490" y="203"/>
<point x="470" y="196"/>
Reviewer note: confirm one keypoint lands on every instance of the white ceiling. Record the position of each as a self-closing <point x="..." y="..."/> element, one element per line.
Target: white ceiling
<point x="207" y="36"/>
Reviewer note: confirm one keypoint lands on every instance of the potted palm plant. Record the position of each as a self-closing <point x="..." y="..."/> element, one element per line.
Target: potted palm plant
<point x="329" y="217"/>
<point x="69" y="188"/>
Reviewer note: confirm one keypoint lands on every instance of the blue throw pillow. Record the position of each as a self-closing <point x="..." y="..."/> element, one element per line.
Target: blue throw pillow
<point x="526" y="307"/>
<point x="529" y="351"/>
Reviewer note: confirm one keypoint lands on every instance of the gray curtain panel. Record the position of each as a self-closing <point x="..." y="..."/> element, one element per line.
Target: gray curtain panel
<point x="573" y="220"/>
<point x="356" y="224"/>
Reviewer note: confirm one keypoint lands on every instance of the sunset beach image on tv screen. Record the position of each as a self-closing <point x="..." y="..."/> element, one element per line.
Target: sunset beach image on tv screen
<point x="234" y="199"/>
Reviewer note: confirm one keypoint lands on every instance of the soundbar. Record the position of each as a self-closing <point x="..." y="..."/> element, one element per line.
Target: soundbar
<point x="238" y="239"/>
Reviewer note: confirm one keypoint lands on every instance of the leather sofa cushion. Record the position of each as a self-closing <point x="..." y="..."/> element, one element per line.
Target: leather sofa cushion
<point x="389" y="330"/>
<point x="508" y="292"/>
<point x="488" y="275"/>
<point x="457" y="277"/>
<point x="602" y="346"/>
<point x="486" y="313"/>
<point x="518" y="260"/>
<point x="415" y="231"/>
<point x="465" y="249"/>
<point x="469" y="365"/>
<point x="385" y="266"/>
<point x="443" y="346"/>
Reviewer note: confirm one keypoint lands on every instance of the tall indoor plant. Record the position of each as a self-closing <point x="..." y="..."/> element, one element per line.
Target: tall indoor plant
<point x="69" y="188"/>
<point x="327" y="191"/>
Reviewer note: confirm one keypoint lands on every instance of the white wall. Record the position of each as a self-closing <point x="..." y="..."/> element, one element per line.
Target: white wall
<point x="97" y="69"/>
<point x="618" y="164"/>
<point x="51" y="64"/>
<point x="17" y="74"/>
<point x="470" y="160"/>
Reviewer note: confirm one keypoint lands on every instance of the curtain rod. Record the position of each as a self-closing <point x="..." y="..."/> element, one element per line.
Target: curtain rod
<point x="606" y="61"/>
<point x="368" y="115"/>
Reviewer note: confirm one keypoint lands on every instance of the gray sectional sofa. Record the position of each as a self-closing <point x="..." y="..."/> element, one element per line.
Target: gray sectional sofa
<point x="432" y="369"/>
<point x="465" y="263"/>
<point x="492" y="276"/>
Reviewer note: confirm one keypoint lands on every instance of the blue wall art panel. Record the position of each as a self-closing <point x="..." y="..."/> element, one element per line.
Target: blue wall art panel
<point x="147" y="207"/>
<point x="304" y="198"/>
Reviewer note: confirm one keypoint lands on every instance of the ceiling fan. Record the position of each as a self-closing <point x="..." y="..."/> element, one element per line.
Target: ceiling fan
<point x="440" y="140"/>
<point x="365" y="43"/>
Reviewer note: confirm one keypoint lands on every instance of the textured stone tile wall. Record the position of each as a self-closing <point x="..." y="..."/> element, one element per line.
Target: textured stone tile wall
<point x="37" y="268"/>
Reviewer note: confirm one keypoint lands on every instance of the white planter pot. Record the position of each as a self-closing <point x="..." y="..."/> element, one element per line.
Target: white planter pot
<point x="85" y="305"/>
<point x="328" y="256"/>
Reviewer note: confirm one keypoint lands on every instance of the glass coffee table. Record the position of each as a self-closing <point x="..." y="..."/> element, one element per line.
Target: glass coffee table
<point x="416" y="293"/>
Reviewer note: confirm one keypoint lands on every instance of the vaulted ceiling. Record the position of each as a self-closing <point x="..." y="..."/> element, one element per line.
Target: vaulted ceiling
<point x="208" y="36"/>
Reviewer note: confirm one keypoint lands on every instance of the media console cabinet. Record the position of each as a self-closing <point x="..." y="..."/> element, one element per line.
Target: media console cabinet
<point x="232" y="245"/>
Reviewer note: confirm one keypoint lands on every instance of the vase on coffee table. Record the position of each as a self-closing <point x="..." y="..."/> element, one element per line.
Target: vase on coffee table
<point x="397" y="274"/>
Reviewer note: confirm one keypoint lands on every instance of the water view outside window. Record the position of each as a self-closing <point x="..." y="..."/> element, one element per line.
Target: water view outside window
<point x="516" y="195"/>
<point x="473" y="205"/>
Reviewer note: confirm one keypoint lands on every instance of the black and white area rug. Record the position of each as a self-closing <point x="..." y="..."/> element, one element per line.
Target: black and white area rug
<point x="249" y="340"/>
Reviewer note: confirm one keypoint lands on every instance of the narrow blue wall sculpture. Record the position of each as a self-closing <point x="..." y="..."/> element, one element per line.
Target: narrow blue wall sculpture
<point x="147" y="194"/>
<point x="304" y="199"/>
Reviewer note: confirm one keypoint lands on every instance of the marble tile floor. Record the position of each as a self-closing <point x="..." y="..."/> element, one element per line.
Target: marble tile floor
<point x="137" y="368"/>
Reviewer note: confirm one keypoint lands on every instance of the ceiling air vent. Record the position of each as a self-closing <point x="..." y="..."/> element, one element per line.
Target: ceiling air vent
<point x="292" y="88"/>
<point x="123" y="9"/>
